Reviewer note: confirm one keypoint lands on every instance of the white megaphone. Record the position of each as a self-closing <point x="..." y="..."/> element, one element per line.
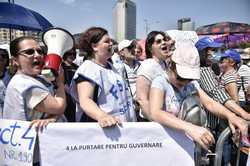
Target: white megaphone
<point x="58" y="41"/>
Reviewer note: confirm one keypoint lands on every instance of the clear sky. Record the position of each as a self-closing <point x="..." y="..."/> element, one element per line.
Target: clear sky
<point x="77" y="15"/>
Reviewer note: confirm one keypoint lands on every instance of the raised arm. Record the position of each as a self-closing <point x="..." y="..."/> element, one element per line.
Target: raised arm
<point x="54" y="104"/>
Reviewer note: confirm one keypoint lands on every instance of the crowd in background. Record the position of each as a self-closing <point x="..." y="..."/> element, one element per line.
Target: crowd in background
<point x="113" y="84"/>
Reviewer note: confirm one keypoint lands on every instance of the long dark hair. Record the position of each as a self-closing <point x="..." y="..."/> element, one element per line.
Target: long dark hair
<point x="149" y="42"/>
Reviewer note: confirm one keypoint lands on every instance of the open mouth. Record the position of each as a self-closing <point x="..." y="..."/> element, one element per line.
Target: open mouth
<point x="111" y="50"/>
<point x="37" y="63"/>
<point x="164" y="48"/>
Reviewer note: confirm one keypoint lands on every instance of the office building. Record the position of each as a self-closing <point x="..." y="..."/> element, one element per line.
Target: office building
<point x="124" y="20"/>
<point x="186" y="24"/>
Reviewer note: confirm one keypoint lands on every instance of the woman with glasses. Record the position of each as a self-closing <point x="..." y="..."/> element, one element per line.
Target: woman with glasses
<point x="100" y="90"/>
<point x="158" y="50"/>
<point x="28" y="96"/>
<point x="169" y="90"/>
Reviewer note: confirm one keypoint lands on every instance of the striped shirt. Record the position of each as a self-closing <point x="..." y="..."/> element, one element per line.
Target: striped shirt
<point x="244" y="72"/>
<point x="131" y="75"/>
<point x="230" y="77"/>
<point x="210" y="85"/>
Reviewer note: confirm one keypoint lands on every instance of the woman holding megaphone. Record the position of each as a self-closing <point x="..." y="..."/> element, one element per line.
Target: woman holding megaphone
<point x="28" y="96"/>
<point x="100" y="91"/>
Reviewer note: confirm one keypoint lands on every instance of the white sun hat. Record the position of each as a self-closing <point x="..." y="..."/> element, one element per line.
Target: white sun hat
<point x="187" y="61"/>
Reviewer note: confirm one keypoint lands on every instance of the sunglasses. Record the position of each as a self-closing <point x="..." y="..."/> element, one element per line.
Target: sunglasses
<point x="31" y="52"/>
<point x="159" y="41"/>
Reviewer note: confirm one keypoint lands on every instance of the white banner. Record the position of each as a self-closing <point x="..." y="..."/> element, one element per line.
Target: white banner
<point x="17" y="142"/>
<point x="132" y="144"/>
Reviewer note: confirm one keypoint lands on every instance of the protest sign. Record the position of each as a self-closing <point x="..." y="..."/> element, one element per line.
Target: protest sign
<point x="133" y="144"/>
<point x="17" y="142"/>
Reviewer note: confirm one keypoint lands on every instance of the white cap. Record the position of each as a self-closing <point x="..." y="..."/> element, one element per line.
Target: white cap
<point x="187" y="61"/>
<point x="124" y="44"/>
<point x="245" y="56"/>
<point x="247" y="50"/>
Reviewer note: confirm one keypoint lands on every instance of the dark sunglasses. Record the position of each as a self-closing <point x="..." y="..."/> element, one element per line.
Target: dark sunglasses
<point x="159" y="41"/>
<point x="31" y="52"/>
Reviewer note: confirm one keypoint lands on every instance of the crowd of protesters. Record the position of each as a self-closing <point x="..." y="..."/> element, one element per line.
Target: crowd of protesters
<point x="114" y="85"/>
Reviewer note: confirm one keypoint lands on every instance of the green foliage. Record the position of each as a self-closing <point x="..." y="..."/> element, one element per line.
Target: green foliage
<point x="244" y="44"/>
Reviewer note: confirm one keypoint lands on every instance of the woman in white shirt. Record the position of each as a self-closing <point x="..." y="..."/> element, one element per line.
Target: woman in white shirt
<point x="158" y="50"/>
<point x="99" y="89"/>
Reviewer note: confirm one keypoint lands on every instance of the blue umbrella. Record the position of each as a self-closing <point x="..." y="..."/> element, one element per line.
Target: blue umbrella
<point x="18" y="17"/>
<point x="43" y="22"/>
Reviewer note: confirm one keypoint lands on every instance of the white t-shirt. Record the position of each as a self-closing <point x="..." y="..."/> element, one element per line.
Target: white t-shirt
<point x="150" y="68"/>
<point x="22" y="96"/>
<point x="244" y="72"/>
<point x="173" y="97"/>
<point x="23" y="93"/>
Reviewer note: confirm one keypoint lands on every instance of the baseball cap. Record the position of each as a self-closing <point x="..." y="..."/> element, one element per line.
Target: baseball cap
<point x="247" y="50"/>
<point x="124" y="44"/>
<point x="187" y="61"/>
<point x="231" y="53"/>
<point x="207" y="42"/>
<point x="245" y="56"/>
